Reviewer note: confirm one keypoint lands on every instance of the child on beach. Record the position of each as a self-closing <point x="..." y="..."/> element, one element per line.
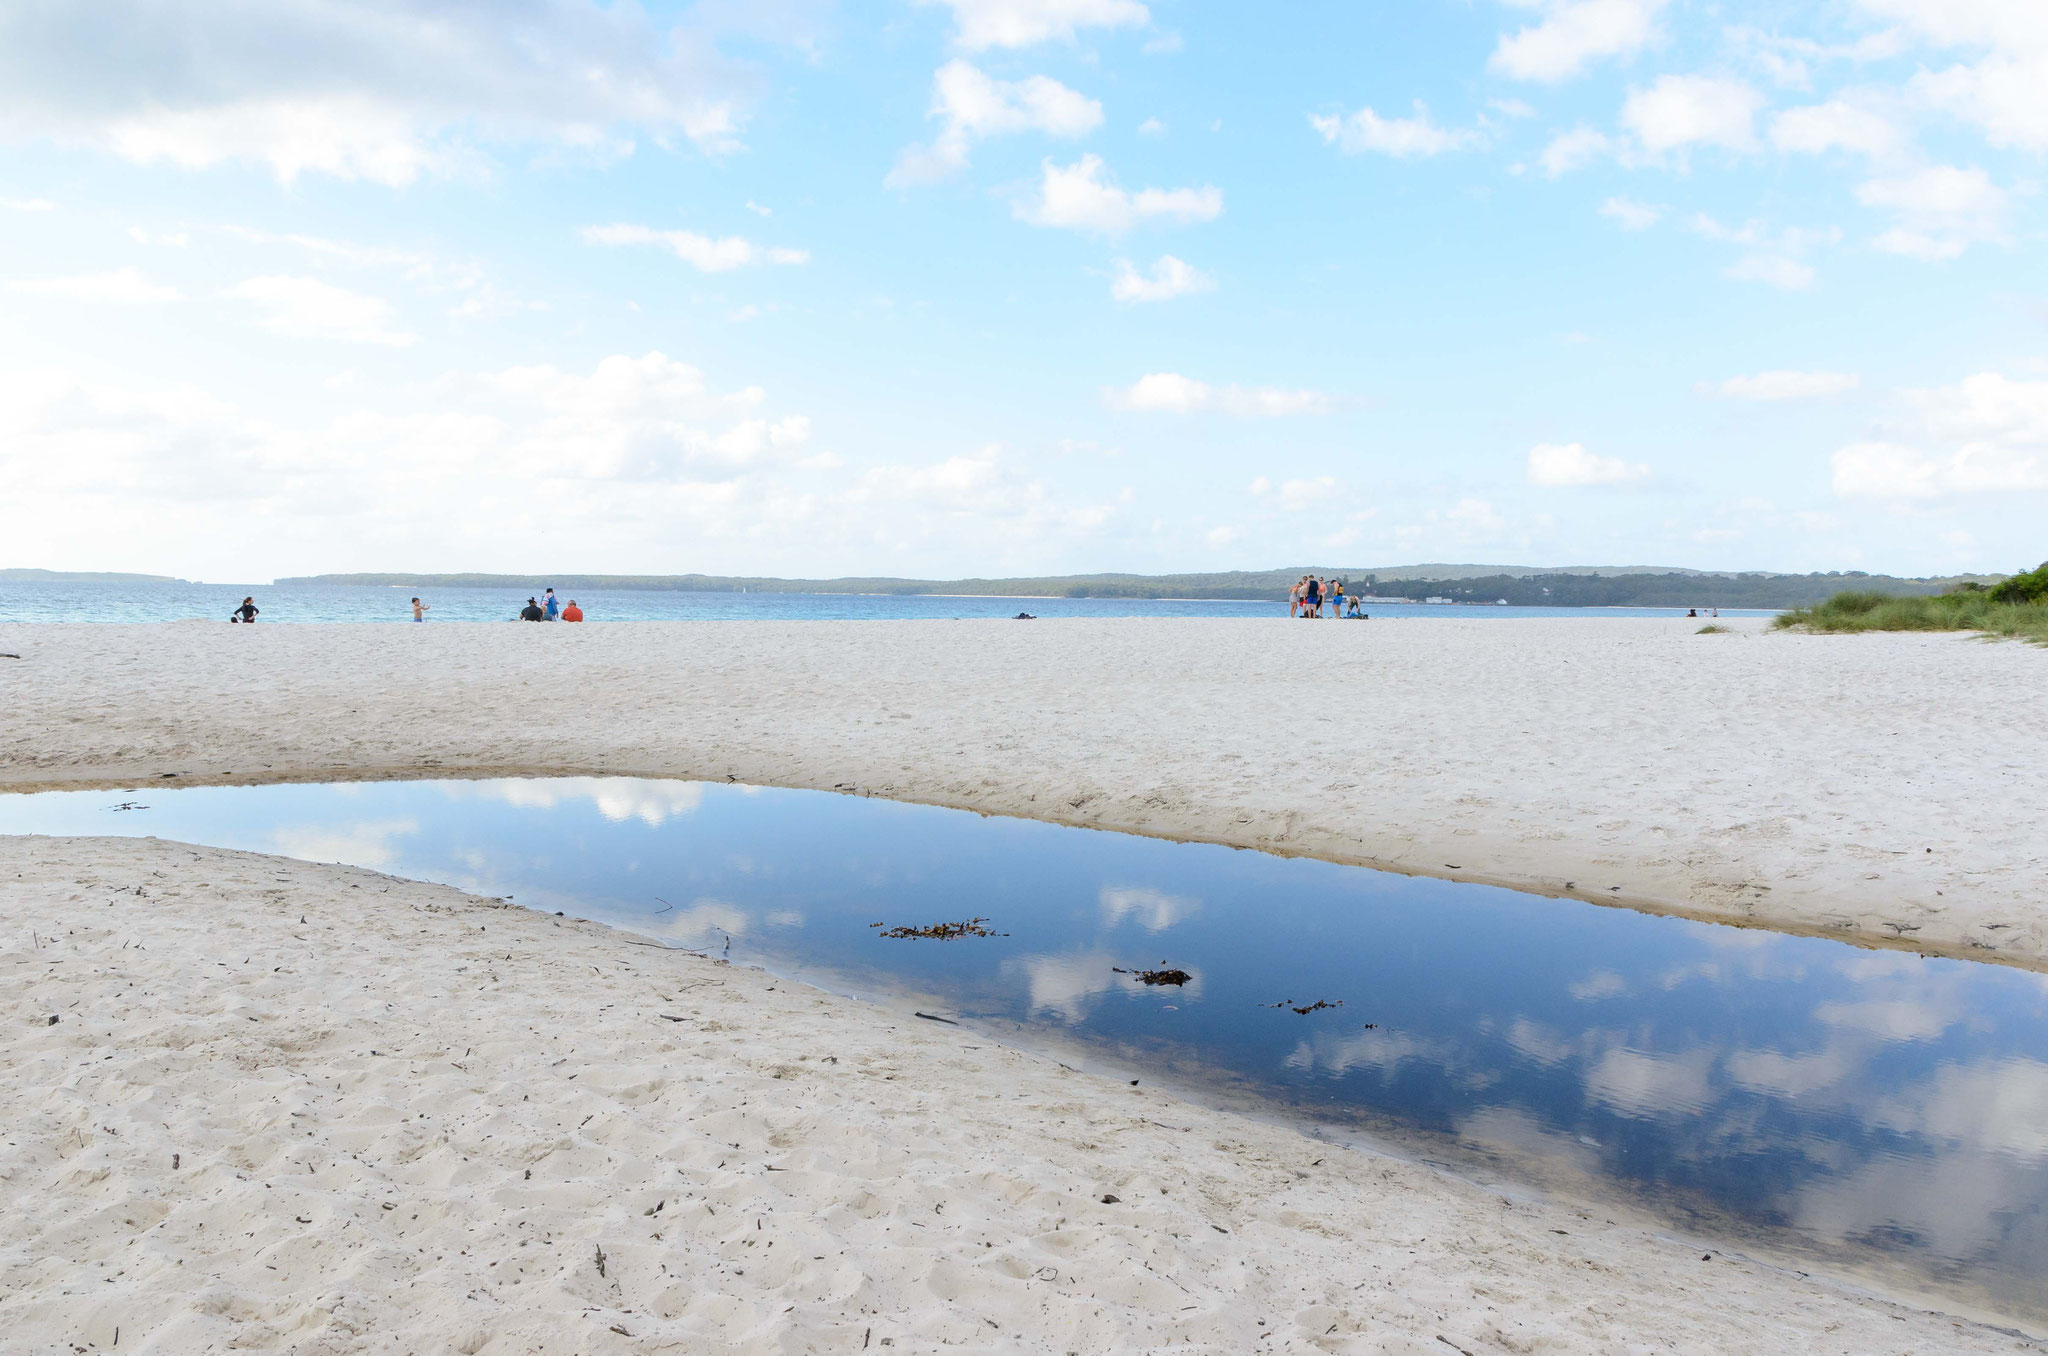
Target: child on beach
<point x="420" y="610"/>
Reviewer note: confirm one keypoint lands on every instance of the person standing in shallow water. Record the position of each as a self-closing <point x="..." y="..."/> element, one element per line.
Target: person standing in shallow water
<point x="246" y="612"/>
<point x="420" y="610"/>
<point x="550" y="606"/>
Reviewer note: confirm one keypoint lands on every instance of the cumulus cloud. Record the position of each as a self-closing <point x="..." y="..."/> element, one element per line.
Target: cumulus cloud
<point x="1773" y="256"/>
<point x="1405" y="138"/>
<point x="1677" y="111"/>
<point x="1999" y="91"/>
<point x="970" y="106"/>
<point x="1081" y="197"/>
<point x="385" y="91"/>
<point x="1837" y="125"/>
<point x="1942" y="210"/>
<point x="1572" y="34"/>
<point x="1169" y="278"/>
<point x="983" y="24"/>
<point x="1788" y="385"/>
<point x="1631" y="215"/>
<point x="119" y="287"/>
<point x="1562" y="465"/>
<point x="703" y="252"/>
<point x="1571" y="150"/>
<point x="1172" y="393"/>
<point x="1986" y="434"/>
<point x="306" y="308"/>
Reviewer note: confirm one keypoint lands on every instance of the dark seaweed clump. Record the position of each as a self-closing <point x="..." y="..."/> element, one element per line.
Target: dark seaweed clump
<point x="946" y="932"/>
<point x="1156" y="976"/>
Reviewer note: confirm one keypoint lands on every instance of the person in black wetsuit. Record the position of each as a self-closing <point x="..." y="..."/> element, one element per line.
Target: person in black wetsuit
<point x="246" y="612"/>
<point x="532" y="612"/>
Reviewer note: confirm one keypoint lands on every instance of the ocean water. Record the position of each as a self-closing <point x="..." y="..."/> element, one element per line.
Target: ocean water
<point x="1865" y="1107"/>
<point x="96" y="602"/>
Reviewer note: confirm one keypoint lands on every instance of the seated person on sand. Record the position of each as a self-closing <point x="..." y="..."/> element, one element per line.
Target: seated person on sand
<point x="572" y="612"/>
<point x="246" y="612"/>
<point x="532" y="612"/>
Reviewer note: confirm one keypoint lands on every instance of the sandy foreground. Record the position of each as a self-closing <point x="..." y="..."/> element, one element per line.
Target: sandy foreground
<point x="298" y="1108"/>
<point x="1886" y="788"/>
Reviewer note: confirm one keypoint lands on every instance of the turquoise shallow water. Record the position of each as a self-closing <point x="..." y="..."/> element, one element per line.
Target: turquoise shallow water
<point x="1859" y="1104"/>
<point x="92" y="602"/>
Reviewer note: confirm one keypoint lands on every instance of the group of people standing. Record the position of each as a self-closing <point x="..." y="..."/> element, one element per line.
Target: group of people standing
<point x="547" y="608"/>
<point x="1311" y="595"/>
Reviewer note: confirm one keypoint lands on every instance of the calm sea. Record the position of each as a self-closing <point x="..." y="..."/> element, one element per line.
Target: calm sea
<point x="91" y="602"/>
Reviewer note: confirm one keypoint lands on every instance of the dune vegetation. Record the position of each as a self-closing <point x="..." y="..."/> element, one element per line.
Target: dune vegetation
<point x="2014" y="607"/>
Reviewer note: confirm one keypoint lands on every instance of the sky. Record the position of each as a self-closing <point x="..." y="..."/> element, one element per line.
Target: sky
<point x="999" y="287"/>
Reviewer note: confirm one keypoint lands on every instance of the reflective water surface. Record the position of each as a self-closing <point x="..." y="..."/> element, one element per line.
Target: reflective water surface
<point x="95" y="601"/>
<point x="1855" y="1103"/>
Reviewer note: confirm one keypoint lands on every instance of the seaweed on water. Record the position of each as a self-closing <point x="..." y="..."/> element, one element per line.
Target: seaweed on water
<point x="945" y="932"/>
<point x="1319" y="1005"/>
<point x="1174" y="977"/>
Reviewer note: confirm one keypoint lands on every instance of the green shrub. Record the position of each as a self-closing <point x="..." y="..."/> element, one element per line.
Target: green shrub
<point x="2031" y="587"/>
<point x="2021" y="612"/>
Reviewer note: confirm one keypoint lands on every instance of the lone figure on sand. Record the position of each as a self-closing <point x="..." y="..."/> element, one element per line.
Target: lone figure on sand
<point x="420" y="610"/>
<point x="246" y="612"/>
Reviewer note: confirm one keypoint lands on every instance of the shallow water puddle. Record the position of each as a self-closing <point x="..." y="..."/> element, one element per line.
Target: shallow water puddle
<point x="1861" y="1103"/>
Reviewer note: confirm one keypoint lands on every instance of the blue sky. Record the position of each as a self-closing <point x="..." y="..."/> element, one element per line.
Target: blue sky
<point x="1021" y="286"/>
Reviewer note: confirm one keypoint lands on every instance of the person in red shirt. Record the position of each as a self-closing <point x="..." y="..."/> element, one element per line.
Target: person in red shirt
<point x="572" y="612"/>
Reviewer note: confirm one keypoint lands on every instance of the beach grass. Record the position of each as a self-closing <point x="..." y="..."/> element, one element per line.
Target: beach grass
<point x="1712" y="631"/>
<point x="2017" y="608"/>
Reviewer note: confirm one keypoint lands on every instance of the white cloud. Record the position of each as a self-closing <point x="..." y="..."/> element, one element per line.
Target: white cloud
<point x="1170" y="278"/>
<point x="1404" y="138"/>
<point x="385" y="92"/>
<point x="1562" y="465"/>
<point x="1574" y="33"/>
<point x="1568" y="151"/>
<point x="119" y="287"/>
<point x="1835" y="125"/>
<point x="699" y="251"/>
<point x="2000" y="92"/>
<point x="307" y="308"/>
<point x="1631" y="215"/>
<point x="1172" y="393"/>
<point x="1677" y="111"/>
<point x="1775" y="257"/>
<point x="1986" y="434"/>
<point x="1773" y="270"/>
<point x="1078" y="197"/>
<point x="1789" y="385"/>
<point x="1296" y="496"/>
<point x="1151" y="127"/>
<point x="1942" y="210"/>
<point x="1153" y="910"/>
<point x="28" y="204"/>
<point x="1022" y="23"/>
<point x="970" y="106"/>
<point x="1217" y="538"/>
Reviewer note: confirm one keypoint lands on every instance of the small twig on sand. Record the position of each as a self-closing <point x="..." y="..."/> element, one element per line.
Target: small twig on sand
<point x="932" y="1017"/>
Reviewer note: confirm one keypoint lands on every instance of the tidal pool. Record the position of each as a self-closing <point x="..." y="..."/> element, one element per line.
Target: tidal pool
<point x="1872" y="1107"/>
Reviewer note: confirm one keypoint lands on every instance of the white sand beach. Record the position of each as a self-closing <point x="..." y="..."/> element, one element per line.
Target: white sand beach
<point x="1883" y="788"/>
<point x="294" y="1108"/>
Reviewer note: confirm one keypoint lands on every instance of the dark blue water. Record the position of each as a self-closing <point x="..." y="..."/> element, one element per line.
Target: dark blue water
<point x="1856" y="1103"/>
<point x="95" y="602"/>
